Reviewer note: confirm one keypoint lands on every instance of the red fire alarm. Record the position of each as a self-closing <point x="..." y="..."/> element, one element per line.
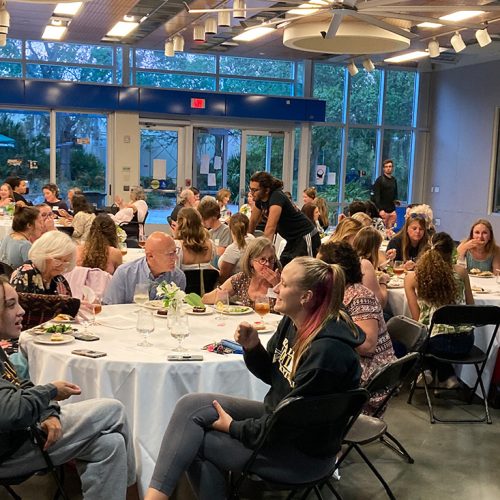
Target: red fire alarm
<point x="197" y="103"/>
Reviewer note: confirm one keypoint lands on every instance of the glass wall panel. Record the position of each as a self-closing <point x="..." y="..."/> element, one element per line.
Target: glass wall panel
<point x="183" y="61"/>
<point x="69" y="53"/>
<point x="266" y="87"/>
<point x="69" y="73"/>
<point x="174" y="81"/>
<point x="81" y="150"/>
<point x="24" y="148"/>
<point x="397" y="147"/>
<point x="13" y="49"/>
<point x="365" y="97"/>
<point x="11" y="70"/>
<point x="399" y="98"/>
<point x="328" y="84"/>
<point x="260" y="68"/>
<point x="361" y="159"/>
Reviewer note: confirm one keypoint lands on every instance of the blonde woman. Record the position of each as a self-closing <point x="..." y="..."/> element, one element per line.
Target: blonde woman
<point x="316" y="341"/>
<point x="6" y="195"/>
<point x="196" y="249"/>
<point x="346" y="230"/>
<point x="223" y="196"/>
<point x="137" y="204"/>
<point x="229" y="261"/>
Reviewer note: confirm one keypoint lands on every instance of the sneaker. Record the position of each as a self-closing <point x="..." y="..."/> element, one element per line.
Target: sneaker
<point x="450" y="383"/>
<point x="428" y="378"/>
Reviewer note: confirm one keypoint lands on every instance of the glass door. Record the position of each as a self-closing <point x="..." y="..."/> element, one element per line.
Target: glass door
<point x="268" y="151"/>
<point x="160" y="148"/>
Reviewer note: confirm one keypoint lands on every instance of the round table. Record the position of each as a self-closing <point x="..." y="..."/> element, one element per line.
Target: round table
<point x="141" y="377"/>
<point x="489" y="296"/>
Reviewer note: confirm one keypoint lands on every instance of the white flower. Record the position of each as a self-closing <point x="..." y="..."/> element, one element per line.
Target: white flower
<point x="171" y="293"/>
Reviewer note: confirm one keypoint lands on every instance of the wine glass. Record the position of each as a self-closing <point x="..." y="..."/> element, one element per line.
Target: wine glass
<point x="142" y="240"/>
<point x="221" y="303"/>
<point x="96" y="308"/>
<point x="141" y="293"/>
<point x="145" y="326"/>
<point x="398" y="268"/>
<point x="262" y="306"/>
<point x="179" y="329"/>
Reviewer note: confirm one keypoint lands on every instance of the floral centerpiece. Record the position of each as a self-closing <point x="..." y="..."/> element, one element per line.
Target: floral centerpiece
<point x="171" y="295"/>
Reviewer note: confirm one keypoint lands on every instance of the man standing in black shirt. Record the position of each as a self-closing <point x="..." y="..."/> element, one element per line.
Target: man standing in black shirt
<point x="283" y="217"/>
<point x="385" y="192"/>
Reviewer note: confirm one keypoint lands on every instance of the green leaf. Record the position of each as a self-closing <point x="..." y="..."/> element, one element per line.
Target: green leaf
<point x="193" y="299"/>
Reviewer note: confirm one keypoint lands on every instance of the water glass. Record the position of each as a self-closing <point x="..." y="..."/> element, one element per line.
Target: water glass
<point x="141" y="293"/>
<point x="497" y="276"/>
<point x="221" y="304"/>
<point x="179" y="329"/>
<point x="145" y="326"/>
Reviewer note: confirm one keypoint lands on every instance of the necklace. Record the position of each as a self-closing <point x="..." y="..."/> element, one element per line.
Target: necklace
<point x="21" y="234"/>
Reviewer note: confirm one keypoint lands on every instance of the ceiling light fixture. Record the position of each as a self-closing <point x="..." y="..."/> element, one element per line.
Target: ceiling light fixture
<point x="178" y="43"/>
<point x="457" y="42"/>
<point x="409" y="56"/>
<point x="352" y="68"/>
<point x="483" y="37"/>
<point x="53" y="32"/>
<point x="429" y="25"/>
<point x="239" y="7"/>
<point x="368" y="65"/>
<point x="433" y="48"/>
<point x="211" y="26"/>
<point x="253" y="34"/>
<point x="67" y="9"/>
<point x="169" y="48"/>
<point x="122" y="28"/>
<point x="199" y="33"/>
<point x="224" y="19"/>
<point x="462" y="15"/>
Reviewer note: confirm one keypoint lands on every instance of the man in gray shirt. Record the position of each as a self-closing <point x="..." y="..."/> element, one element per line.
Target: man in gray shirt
<point x="159" y="264"/>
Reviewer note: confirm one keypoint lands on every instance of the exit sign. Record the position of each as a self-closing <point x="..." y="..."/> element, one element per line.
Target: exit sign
<point x="197" y="103"/>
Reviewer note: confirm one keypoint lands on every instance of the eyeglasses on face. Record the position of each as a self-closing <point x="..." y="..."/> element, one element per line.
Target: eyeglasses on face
<point x="265" y="260"/>
<point x="417" y="216"/>
<point x="254" y="190"/>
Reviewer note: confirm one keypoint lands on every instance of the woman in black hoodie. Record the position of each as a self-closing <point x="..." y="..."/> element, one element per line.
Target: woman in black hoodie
<point x="311" y="353"/>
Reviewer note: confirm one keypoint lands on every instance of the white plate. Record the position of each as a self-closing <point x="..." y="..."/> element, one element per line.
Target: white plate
<point x="482" y="291"/>
<point x="395" y="285"/>
<point x="267" y="329"/>
<point x="207" y="311"/>
<point x="478" y="276"/>
<point x="231" y="312"/>
<point x="45" y="339"/>
<point x="62" y="321"/>
<point x="153" y="304"/>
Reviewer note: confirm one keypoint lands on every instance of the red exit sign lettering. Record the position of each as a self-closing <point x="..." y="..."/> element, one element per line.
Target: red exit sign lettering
<point x="197" y="103"/>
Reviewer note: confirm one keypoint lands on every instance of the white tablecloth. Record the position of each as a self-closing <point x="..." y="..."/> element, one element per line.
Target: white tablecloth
<point x="142" y="378"/>
<point x="5" y="227"/>
<point x="397" y="303"/>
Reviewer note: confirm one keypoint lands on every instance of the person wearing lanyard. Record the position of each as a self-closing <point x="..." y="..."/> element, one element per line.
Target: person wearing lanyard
<point x="302" y="237"/>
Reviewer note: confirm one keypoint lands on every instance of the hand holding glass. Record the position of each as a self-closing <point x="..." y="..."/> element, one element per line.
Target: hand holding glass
<point x="145" y="326"/>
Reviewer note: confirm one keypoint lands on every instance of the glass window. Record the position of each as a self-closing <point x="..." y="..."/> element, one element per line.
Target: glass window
<point x="174" y="81"/>
<point x="399" y="96"/>
<point x="299" y="80"/>
<point x="81" y="151"/>
<point x="365" y="97"/>
<point x="69" y="53"/>
<point x="69" y="73"/>
<point x="11" y="70"/>
<point x="260" y="68"/>
<point x="326" y="160"/>
<point x="361" y="158"/>
<point x="255" y="86"/>
<point x="183" y="61"/>
<point x="397" y="147"/>
<point x="13" y="49"/>
<point x="328" y="84"/>
<point x="24" y="148"/>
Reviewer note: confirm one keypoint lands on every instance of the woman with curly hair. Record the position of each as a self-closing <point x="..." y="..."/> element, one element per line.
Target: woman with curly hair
<point x="366" y="312"/>
<point x="229" y="261"/>
<point x="436" y="282"/>
<point x="82" y="219"/>
<point x="196" y="249"/>
<point x="101" y="248"/>
<point x="480" y="250"/>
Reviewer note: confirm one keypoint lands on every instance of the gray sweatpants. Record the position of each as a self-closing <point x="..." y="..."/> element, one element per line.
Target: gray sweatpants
<point x="189" y="444"/>
<point x="96" y="435"/>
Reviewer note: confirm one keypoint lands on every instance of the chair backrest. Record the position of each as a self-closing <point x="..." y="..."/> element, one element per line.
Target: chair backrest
<point x="407" y="332"/>
<point x="95" y="278"/>
<point x="201" y="281"/>
<point x="40" y="308"/>
<point x="6" y="269"/>
<point x="458" y="314"/>
<point x="316" y="425"/>
<point x="390" y="377"/>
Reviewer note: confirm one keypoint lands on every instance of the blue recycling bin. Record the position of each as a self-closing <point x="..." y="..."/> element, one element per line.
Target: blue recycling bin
<point x="400" y="218"/>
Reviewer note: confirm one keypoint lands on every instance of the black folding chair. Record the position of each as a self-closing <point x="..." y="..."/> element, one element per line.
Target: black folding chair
<point x="367" y="429"/>
<point x="6" y="269"/>
<point x="56" y="472"/>
<point x="408" y="333"/>
<point x="455" y="315"/>
<point x="312" y="420"/>
<point x="201" y="281"/>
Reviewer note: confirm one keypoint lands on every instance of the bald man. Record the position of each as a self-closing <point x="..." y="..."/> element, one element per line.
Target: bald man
<point x="159" y="264"/>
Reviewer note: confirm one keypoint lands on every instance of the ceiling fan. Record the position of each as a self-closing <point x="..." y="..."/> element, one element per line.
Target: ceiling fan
<point x="349" y="26"/>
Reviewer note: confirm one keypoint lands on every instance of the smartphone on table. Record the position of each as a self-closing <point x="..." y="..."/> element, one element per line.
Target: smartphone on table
<point x="88" y="353"/>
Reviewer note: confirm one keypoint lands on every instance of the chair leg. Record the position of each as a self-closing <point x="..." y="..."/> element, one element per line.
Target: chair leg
<point x="376" y="472"/>
<point x="429" y="402"/>
<point x="413" y="387"/>
<point x="12" y="493"/>
<point x="399" y="448"/>
<point x="59" y="479"/>
<point x="329" y="485"/>
<point x="318" y="493"/>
